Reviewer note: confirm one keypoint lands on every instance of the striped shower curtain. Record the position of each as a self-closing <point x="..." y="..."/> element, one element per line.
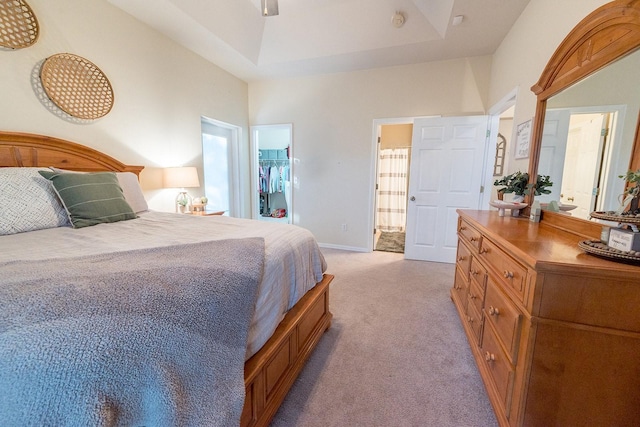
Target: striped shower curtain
<point x="393" y="172"/>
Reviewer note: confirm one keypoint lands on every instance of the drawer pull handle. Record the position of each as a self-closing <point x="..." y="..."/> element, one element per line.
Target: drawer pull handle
<point x="473" y="239"/>
<point x="484" y="251"/>
<point x="472" y="296"/>
<point x="475" y="272"/>
<point x="463" y="227"/>
<point x="461" y="258"/>
<point x="494" y="311"/>
<point x="470" y="319"/>
<point x="508" y="274"/>
<point x="489" y="357"/>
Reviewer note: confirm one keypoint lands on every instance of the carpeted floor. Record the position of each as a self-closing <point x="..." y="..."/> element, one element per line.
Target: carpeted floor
<point x="391" y="242"/>
<point x="395" y="355"/>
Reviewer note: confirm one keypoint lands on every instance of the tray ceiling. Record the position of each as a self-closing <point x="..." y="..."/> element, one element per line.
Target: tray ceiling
<point x="327" y="36"/>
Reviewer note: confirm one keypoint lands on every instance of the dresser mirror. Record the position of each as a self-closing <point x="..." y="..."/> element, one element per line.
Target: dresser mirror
<point x="587" y="138"/>
<point x="590" y="84"/>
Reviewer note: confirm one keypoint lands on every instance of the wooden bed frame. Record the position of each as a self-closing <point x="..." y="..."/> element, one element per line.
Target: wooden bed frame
<point x="270" y="373"/>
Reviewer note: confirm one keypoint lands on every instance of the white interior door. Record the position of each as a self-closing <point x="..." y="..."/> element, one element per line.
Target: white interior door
<point x="582" y="163"/>
<point x="445" y="175"/>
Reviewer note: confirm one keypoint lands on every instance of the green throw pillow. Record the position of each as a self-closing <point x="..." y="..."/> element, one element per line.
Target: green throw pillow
<point x="90" y="198"/>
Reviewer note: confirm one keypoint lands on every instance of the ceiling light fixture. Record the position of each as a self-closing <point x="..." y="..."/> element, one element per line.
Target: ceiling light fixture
<point x="397" y="20"/>
<point x="269" y="7"/>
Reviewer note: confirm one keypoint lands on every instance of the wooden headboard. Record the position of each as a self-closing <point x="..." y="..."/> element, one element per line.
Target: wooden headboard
<point x="31" y="150"/>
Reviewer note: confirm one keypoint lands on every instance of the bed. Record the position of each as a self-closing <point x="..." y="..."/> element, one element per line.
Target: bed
<point x="274" y="300"/>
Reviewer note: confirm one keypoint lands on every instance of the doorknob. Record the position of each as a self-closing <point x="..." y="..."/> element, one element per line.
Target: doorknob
<point x="413" y="199"/>
<point x="570" y="199"/>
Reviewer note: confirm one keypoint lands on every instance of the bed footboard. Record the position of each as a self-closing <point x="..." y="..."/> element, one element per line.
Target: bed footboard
<point x="270" y="373"/>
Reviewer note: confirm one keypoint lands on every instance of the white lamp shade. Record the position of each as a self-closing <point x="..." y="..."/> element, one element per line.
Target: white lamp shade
<point x="183" y="177"/>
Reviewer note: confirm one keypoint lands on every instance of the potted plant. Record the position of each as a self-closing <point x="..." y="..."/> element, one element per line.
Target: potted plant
<point x="631" y="194"/>
<point x="540" y="186"/>
<point x="515" y="183"/>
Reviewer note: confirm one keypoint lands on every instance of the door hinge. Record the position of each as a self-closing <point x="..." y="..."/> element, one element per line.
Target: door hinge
<point x="378" y="140"/>
<point x="482" y="189"/>
<point x="604" y="132"/>
<point x="488" y="133"/>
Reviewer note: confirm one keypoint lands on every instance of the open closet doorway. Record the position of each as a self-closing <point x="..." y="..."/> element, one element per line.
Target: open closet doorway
<point x="272" y="172"/>
<point x="392" y="181"/>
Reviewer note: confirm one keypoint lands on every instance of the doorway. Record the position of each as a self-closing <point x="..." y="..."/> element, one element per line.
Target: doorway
<point x="577" y="151"/>
<point x="427" y="240"/>
<point x="272" y="173"/>
<point x="448" y="158"/>
<point x="221" y="166"/>
<point x="392" y="182"/>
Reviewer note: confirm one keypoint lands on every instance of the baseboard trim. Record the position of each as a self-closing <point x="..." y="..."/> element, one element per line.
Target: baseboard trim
<point x="344" y="248"/>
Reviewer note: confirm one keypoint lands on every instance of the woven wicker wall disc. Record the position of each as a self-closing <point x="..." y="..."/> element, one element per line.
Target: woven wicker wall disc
<point x="18" y="24"/>
<point x="77" y="86"/>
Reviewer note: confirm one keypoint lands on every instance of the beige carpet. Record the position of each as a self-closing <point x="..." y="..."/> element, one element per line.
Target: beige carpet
<point x="395" y="355"/>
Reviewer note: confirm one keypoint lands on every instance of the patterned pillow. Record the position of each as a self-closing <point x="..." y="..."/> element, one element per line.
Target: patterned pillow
<point x="90" y="198"/>
<point x="28" y="202"/>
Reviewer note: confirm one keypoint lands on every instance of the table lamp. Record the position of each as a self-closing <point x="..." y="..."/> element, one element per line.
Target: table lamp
<point x="181" y="177"/>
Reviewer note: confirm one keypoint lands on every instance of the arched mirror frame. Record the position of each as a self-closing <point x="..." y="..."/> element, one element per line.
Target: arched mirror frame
<point x="604" y="36"/>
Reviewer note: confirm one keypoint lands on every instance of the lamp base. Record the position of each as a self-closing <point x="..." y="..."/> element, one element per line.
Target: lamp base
<point x="183" y="202"/>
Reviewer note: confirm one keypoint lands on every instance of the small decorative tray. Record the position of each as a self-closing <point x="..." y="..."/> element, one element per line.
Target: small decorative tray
<point x="596" y="247"/>
<point x="612" y="216"/>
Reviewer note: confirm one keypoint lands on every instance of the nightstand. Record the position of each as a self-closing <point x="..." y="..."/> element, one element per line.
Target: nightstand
<point x="207" y="213"/>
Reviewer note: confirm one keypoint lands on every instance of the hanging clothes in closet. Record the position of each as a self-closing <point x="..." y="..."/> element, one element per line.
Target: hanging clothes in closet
<point x="273" y="176"/>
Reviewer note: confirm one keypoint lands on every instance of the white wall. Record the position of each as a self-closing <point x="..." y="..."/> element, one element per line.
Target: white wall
<point x="524" y="53"/>
<point x="160" y="90"/>
<point x="332" y="118"/>
<point x="332" y="115"/>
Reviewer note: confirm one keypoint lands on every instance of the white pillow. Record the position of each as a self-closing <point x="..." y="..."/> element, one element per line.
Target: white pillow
<point x="28" y="202"/>
<point x="130" y="188"/>
<point x="132" y="192"/>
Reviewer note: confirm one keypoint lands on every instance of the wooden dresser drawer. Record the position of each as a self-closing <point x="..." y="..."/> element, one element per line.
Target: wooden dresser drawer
<point x="463" y="258"/>
<point x="476" y="295"/>
<point x="498" y="366"/>
<point x="460" y="290"/>
<point x="478" y="274"/>
<point x="474" y="319"/>
<point x="504" y="316"/>
<point x="470" y="234"/>
<point x="511" y="273"/>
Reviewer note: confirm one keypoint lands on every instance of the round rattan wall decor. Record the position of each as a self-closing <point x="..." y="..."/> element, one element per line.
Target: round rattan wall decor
<point x="77" y="86"/>
<point x="18" y="24"/>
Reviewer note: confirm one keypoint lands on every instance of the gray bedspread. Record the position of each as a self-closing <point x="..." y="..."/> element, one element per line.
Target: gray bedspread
<point x="149" y="337"/>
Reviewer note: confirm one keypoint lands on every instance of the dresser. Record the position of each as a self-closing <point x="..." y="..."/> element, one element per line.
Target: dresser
<point x="555" y="332"/>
